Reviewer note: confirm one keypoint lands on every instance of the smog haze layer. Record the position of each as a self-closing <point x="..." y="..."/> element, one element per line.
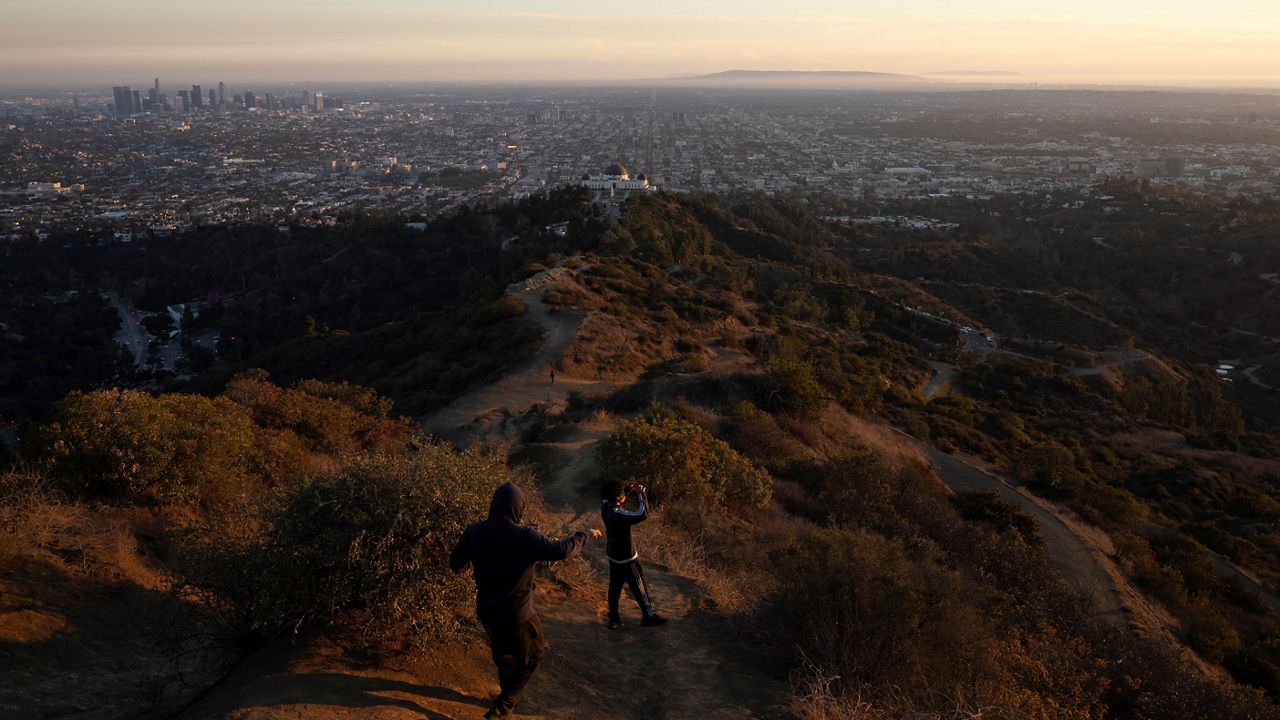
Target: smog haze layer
<point x="1177" y="43"/>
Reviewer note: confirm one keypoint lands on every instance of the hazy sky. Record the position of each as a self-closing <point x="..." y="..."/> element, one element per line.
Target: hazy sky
<point x="1183" y="42"/>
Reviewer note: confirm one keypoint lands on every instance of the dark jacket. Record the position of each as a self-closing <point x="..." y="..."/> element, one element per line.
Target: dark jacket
<point x="617" y="524"/>
<point x="502" y="554"/>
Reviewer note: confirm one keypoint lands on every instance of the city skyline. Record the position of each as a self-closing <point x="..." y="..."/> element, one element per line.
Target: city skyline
<point x="1179" y="43"/>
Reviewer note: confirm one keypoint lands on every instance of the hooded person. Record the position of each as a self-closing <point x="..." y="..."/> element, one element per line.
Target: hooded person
<point x="502" y="554"/>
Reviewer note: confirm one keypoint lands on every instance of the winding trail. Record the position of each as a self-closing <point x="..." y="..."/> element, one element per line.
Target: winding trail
<point x="942" y="374"/>
<point x="697" y="667"/>
<point x="1228" y="569"/>
<point x="1251" y="374"/>
<point x="1083" y="554"/>
<point x="477" y="412"/>
<point x="1082" y="559"/>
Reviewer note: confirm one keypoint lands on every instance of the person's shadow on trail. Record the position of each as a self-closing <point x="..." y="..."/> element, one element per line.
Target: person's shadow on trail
<point x="354" y="691"/>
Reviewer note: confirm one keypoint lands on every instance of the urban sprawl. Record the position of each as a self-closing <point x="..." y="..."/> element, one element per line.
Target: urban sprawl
<point x="163" y="160"/>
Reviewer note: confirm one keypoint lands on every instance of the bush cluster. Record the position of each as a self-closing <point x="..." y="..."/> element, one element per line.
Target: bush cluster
<point x="366" y="547"/>
<point x="129" y="445"/>
<point x="679" y="460"/>
<point x="134" y="447"/>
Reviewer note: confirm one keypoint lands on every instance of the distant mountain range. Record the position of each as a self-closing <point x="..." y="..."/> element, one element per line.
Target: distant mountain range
<point x="975" y="73"/>
<point x="803" y="78"/>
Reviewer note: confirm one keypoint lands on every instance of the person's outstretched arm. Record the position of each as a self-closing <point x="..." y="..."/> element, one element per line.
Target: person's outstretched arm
<point x="460" y="558"/>
<point x="554" y="550"/>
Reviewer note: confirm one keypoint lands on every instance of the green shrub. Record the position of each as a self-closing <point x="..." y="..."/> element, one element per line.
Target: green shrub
<point x="791" y="385"/>
<point x="989" y="508"/>
<point x="754" y="433"/>
<point x="797" y="302"/>
<point x="367" y="546"/>
<point x="680" y="460"/>
<point x="126" y="445"/>
<point x="1051" y="468"/>
<point x="858" y="605"/>
<point x="956" y="407"/>
<point x="331" y="418"/>
<point x="1259" y="663"/>
<point x="507" y="306"/>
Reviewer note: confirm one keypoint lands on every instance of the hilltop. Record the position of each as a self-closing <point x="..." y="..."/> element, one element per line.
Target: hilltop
<point x="898" y="472"/>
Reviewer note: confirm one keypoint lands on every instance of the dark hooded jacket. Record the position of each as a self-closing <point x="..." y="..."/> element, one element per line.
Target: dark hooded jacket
<point x="502" y="554"/>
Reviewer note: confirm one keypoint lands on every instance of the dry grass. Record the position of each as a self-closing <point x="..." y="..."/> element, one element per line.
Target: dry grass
<point x="38" y="523"/>
<point x="1173" y="445"/>
<point x="567" y="292"/>
<point x="814" y="697"/>
<point x="613" y="348"/>
<point x="837" y="432"/>
<point x="670" y="545"/>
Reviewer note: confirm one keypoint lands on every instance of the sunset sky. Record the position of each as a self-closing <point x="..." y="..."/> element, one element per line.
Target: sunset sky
<point x="1167" y="42"/>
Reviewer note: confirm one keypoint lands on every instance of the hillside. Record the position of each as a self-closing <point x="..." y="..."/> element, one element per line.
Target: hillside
<point x="1076" y="522"/>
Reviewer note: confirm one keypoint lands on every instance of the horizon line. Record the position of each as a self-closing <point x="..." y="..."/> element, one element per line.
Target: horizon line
<point x="927" y="81"/>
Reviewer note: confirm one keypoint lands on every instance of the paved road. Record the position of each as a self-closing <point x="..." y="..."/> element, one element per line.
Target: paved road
<point x="1228" y="569"/>
<point x="1084" y="567"/>
<point x="942" y="374"/>
<point x="1118" y="359"/>
<point x="131" y="335"/>
<point x="1253" y="378"/>
<point x="974" y="341"/>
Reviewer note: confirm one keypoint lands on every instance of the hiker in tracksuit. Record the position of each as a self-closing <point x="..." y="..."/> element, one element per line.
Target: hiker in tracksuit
<point x="502" y="554"/>
<point x="624" y="563"/>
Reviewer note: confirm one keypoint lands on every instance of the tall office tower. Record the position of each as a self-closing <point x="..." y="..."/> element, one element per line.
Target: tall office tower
<point x="213" y="99"/>
<point x="185" y="99"/>
<point x="124" y="100"/>
<point x="197" y="99"/>
<point x="137" y="101"/>
<point x="222" y="94"/>
<point x="269" y="101"/>
<point x="153" y="95"/>
<point x="157" y="86"/>
<point x="319" y="101"/>
<point x="250" y="100"/>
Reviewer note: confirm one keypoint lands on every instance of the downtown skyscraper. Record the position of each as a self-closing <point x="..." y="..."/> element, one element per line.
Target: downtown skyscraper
<point x="123" y="96"/>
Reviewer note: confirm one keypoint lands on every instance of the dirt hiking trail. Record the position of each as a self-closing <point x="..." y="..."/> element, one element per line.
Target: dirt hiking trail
<point x="697" y="666"/>
<point x="488" y="410"/>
